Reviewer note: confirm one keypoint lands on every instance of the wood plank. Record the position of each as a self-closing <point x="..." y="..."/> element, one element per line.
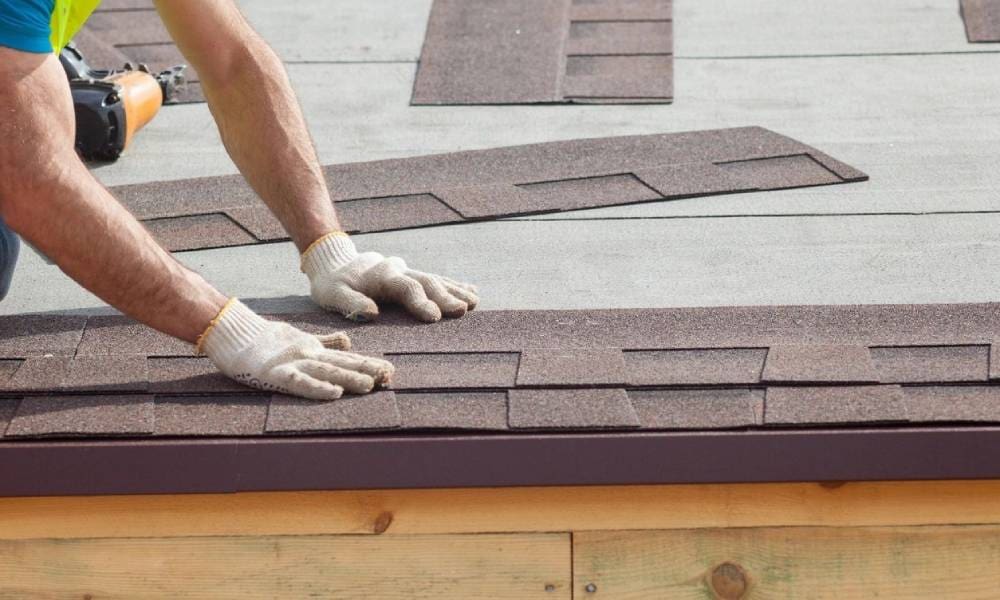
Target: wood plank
<point x="394" y="512"/>
<point x="909" y="562"/>
<point x="400" y="567"/>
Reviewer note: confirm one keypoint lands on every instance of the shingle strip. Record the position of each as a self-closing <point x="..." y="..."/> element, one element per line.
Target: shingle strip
<point x="454" y="370"/>
<point x="535" y="51"/>
<point x="90" y="416"/>
<point x="603" y="366"/>
<point x="819" y="364"/>
<point x="571" y="409"/>
<point x="931" y="364"/>
<point x="982" y="20"/>
<point x="480" y="184"/>
<point x="374" y="411"/>
<point x="712" y="366"/>
<point x="211" y="415"/>
<point x="834" y="404"/>
<point x="453" y="410"/>
<point x="953" y="403"/>
<point x="698" y="409"/>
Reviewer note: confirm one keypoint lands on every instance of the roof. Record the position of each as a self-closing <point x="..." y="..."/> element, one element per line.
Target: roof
<point x="103" y="405"/>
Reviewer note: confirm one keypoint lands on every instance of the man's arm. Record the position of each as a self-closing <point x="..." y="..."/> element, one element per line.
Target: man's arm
<point x="263" y="129"/>
<point x="50" y="198"/>
<point x="258" y="116"/>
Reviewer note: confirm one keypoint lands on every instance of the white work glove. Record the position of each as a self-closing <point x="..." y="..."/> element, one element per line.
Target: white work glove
<point x="349" y="283"/>
<point x="277" y="357"/>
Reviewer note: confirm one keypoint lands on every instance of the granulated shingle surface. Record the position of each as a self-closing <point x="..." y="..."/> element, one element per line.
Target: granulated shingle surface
<point x="188" y="375"/>
<point x="698" y="409"/>
<point x="39" y="374"/>
<point x="39" y="335"/>
<point x="119" y="373"/>
<point x="544" y="51"/>
<point x="572" y="367"/>
<point x="531" y="371"/>
<point x="571" y="409"/>
<point x="982" y="20"/>
<point x="618" y="10"/>
<point x="211" y="415"/>
<point x="453" y="410"/>
<point x="350" y="413"/>
<point x="922" y="364"/>
<point x="482" y="184"/>
<point x="819" y="364"/>
<point x="82" y="416"/>
<point x="460" y="370"/>
<point x="972" y="403"/>
<point x="834" y="404"/>
<point x="695" y="367"/>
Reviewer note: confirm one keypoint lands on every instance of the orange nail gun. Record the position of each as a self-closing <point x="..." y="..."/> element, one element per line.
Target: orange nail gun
<point x="112" y="105"/>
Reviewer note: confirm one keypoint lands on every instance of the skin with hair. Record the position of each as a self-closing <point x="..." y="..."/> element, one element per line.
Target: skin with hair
<point x="49" y="197"/>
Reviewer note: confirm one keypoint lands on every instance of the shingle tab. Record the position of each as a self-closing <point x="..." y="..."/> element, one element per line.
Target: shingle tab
<point x="982" y="20"/>
<point x="106" y="374"/>
<point x="493" y="183"/>
<point x="603" y="366"/>
<point x="819" y="364"/>
<point x="698" y="409"/>
<point x="454" y="370"/>
<point x="22" y="336"/>
<point x="189" y="376"/>
<point x="931" y="364"/>
<point x="350" y="413"/>
<point x="120" y="335"/>
<point x="39" y="374"/>
<point x="971" y="403"/>
<point x="620" y="10"/>
<point x="711" y="366"/>
<point x="211" y="415"/>
<point x="834" y="404"/>
<point x="91" y="416"/>
<point x="454" y="410"/>
<point x="571" y="409"/>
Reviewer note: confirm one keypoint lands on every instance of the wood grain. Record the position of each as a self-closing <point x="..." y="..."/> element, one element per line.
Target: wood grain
<point x="392" y="512"/>
<point x="399" y="567"/>
<point x="746" y="564"/>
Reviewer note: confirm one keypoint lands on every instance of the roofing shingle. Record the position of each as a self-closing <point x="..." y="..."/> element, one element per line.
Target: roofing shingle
<point x="483" y="184"/>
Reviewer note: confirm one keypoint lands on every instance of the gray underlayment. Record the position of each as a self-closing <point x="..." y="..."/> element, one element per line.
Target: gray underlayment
<point x="890" y="87"/>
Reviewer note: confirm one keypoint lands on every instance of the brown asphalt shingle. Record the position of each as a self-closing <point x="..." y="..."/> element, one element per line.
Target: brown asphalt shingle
<point x="439" y="189"/>
<point x="545" y="51"/>
<point x="982" y="20"/>
<point x="531" y="371"/>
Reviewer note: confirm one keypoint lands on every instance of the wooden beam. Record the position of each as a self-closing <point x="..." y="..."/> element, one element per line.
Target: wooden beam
<point x="397" y="567"/>
<point x="504" y="510"/>
<point x="805" y="562"/>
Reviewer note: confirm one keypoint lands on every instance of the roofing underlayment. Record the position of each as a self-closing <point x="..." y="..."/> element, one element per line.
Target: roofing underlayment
<point x="499" y="383"/>
<point x="131" y="31"/>
<point x="487" y="184"/>
<point x="982" y="20"/>
<point x="545" y="51"/>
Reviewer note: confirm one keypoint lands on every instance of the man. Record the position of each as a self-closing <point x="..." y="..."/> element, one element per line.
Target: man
<point x="48" y="197"/>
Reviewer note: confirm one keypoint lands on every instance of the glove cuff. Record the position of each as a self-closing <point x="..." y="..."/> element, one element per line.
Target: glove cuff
<point x="234" y="328"/>
<point x="328" y="253"/>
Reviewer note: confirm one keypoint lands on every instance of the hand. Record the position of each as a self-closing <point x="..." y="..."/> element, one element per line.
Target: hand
<point x="277" y="357"/>
<point x="349" y="283"/>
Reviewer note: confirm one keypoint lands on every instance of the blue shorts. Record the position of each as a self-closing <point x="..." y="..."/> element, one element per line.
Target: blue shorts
<point x="9" y="247"/>
<point x="27" y="25"/>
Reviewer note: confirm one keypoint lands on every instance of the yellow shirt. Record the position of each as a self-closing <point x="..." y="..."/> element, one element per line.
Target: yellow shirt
<point x="68" y="17"/>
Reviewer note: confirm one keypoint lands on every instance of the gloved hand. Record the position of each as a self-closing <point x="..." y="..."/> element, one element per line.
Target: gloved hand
<point x="277" y="357"/>
<point x="349" y="283"/>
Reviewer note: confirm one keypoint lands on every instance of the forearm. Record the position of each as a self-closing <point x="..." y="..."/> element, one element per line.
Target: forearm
<point x="49" y="198"/>
<point x="76" y="223"/>
<point x="265" y="133"/>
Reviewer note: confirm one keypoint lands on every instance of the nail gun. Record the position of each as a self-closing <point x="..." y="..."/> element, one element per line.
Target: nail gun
<point x="111" y="105"/>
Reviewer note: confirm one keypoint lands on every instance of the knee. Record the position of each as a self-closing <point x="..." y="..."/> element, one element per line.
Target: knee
<point x="10" y="246"/>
